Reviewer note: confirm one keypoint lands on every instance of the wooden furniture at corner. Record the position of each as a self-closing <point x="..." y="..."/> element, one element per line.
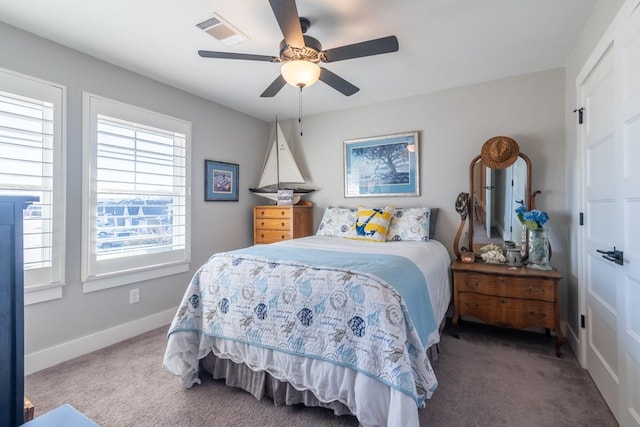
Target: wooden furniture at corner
<point x="273" y="223"/>
<point x="29" y="410"/>
<point x="511" y="297"/>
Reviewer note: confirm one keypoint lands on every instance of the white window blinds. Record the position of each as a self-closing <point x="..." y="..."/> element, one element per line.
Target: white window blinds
<point x="31" y="164"/>
<point x="137" y="194"/>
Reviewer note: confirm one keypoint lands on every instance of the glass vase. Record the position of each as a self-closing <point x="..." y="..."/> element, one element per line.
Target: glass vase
<point x="539" y="249"/>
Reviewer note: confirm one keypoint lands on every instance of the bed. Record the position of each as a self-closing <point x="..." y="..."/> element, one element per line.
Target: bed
<point x="322" y="320"/>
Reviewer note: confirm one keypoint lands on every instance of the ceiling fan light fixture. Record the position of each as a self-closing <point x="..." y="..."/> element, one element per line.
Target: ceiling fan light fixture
<point x="300" y="73"/>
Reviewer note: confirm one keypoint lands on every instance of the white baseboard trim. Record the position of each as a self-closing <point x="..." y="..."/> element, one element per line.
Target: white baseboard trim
<point x="51" y="356"/>
<point x="573" y="341"/>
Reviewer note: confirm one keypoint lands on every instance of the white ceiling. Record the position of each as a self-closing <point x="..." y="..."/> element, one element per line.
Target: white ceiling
<point x="443" y="43"/>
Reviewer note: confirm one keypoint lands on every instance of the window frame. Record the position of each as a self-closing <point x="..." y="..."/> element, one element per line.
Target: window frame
<point x="32" y="87"/>
<point x="98" y="275"/>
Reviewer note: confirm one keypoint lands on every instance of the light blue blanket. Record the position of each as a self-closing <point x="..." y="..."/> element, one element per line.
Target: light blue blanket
<point x="401" y="273"/>
<point x="338" y="307"/>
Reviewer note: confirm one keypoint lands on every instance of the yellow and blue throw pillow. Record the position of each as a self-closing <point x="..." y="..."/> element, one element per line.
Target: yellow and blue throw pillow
<point x="371" y="224"/>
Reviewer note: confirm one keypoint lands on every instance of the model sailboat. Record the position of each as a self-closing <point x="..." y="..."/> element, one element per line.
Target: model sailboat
<point x="280" y="171"/>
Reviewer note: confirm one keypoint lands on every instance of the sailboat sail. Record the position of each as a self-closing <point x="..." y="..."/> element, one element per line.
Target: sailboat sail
<point x="280" y="166"/>
<point x="279" y="170"/>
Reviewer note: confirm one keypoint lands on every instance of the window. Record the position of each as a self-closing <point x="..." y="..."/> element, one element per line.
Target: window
<point x="31" y="164"/>
<point x="135" y="194"/>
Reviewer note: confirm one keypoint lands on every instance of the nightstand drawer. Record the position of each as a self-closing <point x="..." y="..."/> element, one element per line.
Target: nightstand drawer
<point x="275" y="212"/>
<point x="273" y="224"/>
<point x="514" y="313"/>
<point x="503" y="296"/>
<point x="270" y="236"/>
<point x="506" y="286"/>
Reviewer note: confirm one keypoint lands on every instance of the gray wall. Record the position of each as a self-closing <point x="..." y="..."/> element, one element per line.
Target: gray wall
<point x="218" y="133"/>
<point x="453" y="125"/>
<point x="599" y="20"/>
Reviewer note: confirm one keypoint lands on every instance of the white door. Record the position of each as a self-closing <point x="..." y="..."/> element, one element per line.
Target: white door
<point x="627" y="66"/>
<point x="519" y="177"/>
<point x="488" y="202"/>
<point x="515" y="183"/>
<point x="507" y="199"/>
<point x="611" y="193"/>
<point x="602" y="229"/>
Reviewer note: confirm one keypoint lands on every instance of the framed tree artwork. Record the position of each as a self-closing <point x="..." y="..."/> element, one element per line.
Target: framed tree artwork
<point x="382" y="166"/>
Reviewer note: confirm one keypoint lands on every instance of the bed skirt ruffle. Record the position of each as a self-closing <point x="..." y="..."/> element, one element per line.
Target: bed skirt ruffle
<point x="261" y="385"/>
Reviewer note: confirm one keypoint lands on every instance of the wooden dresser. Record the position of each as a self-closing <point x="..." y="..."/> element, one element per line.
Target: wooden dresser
<point x="503" y="296"/>
<point x="273" y="223"/>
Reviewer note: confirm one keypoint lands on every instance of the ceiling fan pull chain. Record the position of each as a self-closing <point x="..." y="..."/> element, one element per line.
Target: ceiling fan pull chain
<point x="300" y="110"/>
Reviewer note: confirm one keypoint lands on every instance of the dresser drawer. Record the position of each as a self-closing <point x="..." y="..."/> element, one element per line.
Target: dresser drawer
<point x="502" y="311"/>
<point x="273" y="224"/>
<point x="505" y="286"/>
<point x="275" y="212"/>
<point x="270" y="236"/>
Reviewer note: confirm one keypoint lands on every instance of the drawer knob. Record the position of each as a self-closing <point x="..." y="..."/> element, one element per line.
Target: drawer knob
<point x="533" y="290"/>
<point x="282" y="213"/>
<point x="282" y="237"/>
<point x="262" y="223"/>
<point x="283" y="224"/>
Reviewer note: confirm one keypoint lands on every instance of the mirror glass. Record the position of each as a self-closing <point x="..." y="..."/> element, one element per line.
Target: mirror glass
<point x="493" y="198"/>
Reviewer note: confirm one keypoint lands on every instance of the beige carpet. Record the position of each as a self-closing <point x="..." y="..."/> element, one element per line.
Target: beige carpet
<point x="489" y="377"/>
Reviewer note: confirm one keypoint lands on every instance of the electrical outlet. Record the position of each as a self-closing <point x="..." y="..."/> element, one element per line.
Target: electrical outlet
<point x="134" y="296"/>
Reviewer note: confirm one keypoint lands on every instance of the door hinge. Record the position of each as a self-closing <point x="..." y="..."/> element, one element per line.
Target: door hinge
<point x="580" y="112"/>
<point x="581" y="218"/>
<point x="582" y="321"/>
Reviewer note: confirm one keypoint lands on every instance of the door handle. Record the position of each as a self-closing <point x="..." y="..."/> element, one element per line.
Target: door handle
<point x="614" y="255"/>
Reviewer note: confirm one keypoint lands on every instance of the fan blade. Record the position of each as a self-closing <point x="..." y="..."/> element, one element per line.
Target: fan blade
<point x="231" y="55"/>
<point x="286" y="14"/>
<point x="358" y="50"/>
<point x="274" y="87"/>
<point x="337" y="82"/>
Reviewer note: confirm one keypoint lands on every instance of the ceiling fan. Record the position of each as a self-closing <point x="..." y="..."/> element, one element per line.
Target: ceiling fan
<point x="300" y="54"/>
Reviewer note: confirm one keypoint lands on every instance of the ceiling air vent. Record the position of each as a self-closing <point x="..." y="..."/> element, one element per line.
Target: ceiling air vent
<point x="221" y="30"/>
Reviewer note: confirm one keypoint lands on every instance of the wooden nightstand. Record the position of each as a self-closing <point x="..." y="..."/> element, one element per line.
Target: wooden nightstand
<point x="273" y="223"/>
<point x="512" y="297"/>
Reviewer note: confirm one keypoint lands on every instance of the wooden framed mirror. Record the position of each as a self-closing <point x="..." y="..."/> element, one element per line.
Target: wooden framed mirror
<point x="494" y="195"/>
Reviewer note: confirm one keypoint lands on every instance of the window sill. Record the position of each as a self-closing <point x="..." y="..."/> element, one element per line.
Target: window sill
<point x="98" y="283"/>
<point x="35" y="296"/>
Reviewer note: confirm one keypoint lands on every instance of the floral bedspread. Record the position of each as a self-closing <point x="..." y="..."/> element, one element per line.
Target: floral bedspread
<point x="345" y="317"/>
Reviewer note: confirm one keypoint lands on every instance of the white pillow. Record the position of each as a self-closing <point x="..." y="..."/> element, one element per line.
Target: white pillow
<point x="410" y="224"/>
<point x="336" y="222"/>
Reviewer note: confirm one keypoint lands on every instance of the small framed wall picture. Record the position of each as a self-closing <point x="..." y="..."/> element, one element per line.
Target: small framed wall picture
<point x="220" y="181"/>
